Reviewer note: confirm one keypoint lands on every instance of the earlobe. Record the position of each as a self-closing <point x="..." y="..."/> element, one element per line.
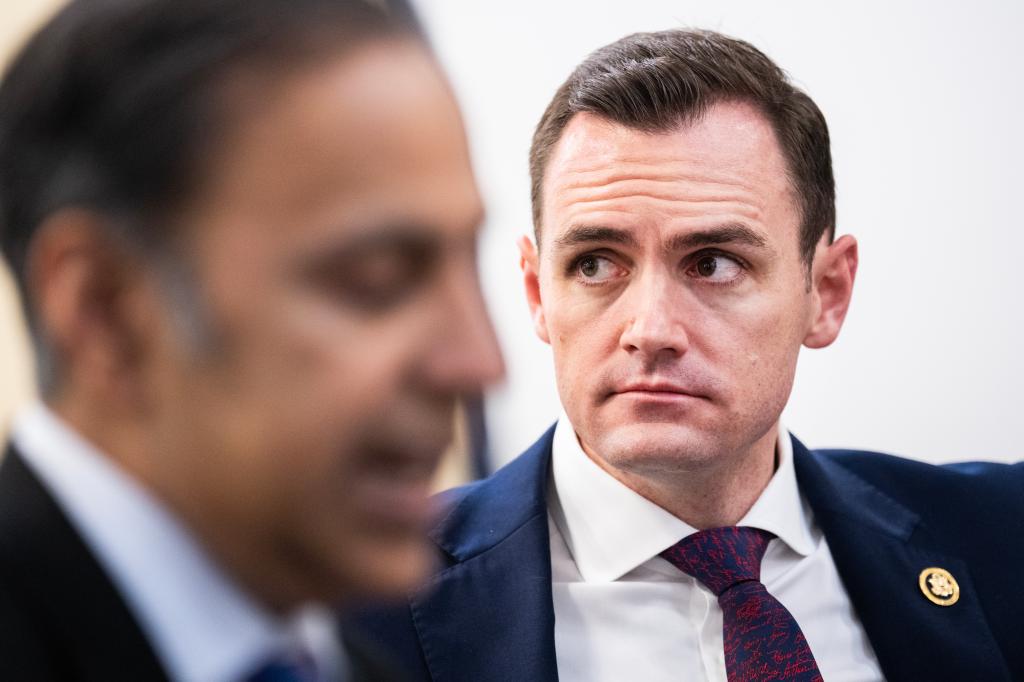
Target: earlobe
<point x="833" y="273"/>
<point x="530" y="264"/>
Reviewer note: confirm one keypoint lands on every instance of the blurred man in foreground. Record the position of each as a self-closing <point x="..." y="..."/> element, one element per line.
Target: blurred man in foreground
<point x="245" y="231"/>
<point x="668" y="527"/>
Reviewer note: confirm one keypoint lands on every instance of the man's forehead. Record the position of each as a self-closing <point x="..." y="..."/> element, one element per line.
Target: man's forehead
<point x="729" y="155"/>
<point x="372" y="131"/>
<point x="729" y="136"/>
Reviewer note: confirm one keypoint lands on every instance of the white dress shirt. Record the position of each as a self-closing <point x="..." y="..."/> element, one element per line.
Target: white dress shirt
<point x="202" y="626"/>
<point x="624" y="613"/>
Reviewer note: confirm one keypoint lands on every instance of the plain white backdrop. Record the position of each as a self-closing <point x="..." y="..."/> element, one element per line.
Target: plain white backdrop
<point x="925" y="103"/>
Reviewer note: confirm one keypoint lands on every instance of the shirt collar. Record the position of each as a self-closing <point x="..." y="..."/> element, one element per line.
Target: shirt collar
<point x="599" y="516"/>
<point x="201" y="625"/>
<point x="781" y="509"/>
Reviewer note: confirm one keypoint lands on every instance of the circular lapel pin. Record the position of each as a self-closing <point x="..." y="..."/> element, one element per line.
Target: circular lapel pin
<point x="939" y="586"/>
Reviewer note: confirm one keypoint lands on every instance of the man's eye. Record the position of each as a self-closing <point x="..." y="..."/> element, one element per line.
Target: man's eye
<point x="380" y="281"/>
<point x="594" y="268"/>
<point x="379" y="276"/>
<point x="716" y="267"/>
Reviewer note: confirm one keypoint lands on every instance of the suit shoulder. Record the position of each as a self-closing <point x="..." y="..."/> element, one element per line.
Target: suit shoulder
<point x="988" y="488"/>
<point x="866" y="462"/>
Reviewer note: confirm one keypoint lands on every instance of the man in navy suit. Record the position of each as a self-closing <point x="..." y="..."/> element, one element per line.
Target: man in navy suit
<point x="683" y="202"/>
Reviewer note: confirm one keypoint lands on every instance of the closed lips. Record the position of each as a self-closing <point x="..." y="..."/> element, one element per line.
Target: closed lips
<point x="658" y="388"/>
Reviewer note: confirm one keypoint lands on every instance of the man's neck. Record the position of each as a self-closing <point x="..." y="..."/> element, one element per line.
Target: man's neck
<point x="709" y="497"/>
<point x="126" y="442"/>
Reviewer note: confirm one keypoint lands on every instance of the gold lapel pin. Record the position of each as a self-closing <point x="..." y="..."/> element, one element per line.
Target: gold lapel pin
<point x="939" y="586"/>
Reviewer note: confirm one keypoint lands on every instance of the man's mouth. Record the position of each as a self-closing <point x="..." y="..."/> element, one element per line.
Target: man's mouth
<point x="658" y="390"/>
<point x="394" y="481"/>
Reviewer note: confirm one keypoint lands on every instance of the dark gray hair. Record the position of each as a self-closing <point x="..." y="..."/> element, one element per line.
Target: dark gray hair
<point x="117" y="106"/>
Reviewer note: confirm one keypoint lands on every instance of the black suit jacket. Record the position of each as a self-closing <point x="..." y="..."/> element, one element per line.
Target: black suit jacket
<point x="487" y="615"/>
<point x="61" y="618"/>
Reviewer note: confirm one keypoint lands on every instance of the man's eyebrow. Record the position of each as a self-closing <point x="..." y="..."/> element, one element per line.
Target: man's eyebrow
<point x="582" y="234"/>
<point x="399" y="233"/>
<point x="724" y="234"/>
<point x="379" y="238"/>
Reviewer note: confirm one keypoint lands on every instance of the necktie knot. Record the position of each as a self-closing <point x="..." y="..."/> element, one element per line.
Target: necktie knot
<point x="721" y="558"/>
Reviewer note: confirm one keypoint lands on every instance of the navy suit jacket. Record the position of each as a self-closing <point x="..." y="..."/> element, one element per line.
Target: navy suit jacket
<point x="487" y="614"/>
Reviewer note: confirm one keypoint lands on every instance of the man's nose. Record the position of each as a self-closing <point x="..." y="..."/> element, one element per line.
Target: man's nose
<point x="654" y="320"/>
<point x="468" y="357"/>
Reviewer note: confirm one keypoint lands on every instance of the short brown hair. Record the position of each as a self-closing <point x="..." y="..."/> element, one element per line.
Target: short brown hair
<point x="655" y="82"/>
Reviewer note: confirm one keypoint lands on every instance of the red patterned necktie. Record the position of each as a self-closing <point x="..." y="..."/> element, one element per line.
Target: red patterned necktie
<point x="762" y="639"/>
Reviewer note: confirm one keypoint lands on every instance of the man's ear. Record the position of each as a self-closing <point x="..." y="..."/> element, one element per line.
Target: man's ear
<point x="530" y="264"/>
<point x="832" y="275"/>
<point x="84" y="286"/>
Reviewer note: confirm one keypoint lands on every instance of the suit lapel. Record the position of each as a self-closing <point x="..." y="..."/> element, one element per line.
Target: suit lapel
<point x="485" y="617"/>
<point x="880" y="548"/>
<point x="85" y="624"/>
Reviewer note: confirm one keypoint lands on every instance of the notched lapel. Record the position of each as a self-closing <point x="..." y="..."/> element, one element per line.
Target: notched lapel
<point x="489" y="617"/>
<point x="912" y="637"/>
<point x="871" y="538"/>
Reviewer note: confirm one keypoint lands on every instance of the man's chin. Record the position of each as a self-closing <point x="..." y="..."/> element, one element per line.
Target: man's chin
<point x="654" y="446"/>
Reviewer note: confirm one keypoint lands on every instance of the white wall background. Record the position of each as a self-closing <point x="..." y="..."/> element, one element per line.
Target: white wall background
<point x="925" y="102"/>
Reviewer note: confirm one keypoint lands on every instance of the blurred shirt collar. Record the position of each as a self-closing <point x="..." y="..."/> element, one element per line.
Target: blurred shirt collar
<point x="201" y="625"/>
<point x="610" y="530"/>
